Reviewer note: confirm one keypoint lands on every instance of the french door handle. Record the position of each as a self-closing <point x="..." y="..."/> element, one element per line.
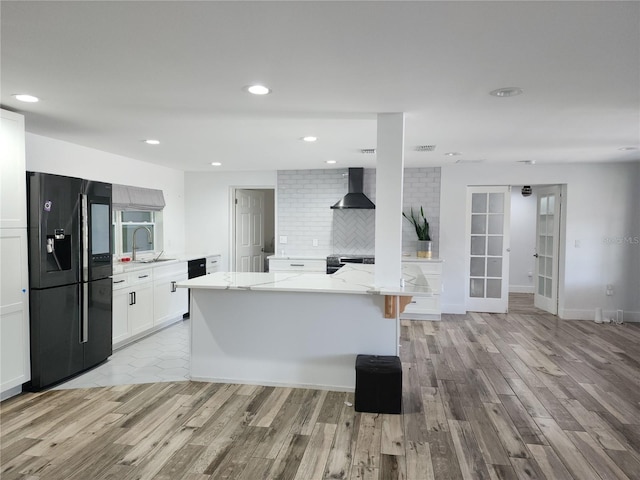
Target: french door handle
<point x="535" y="255"/>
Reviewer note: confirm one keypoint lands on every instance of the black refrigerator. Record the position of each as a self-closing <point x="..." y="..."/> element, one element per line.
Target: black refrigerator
<point x="70" y="267"/>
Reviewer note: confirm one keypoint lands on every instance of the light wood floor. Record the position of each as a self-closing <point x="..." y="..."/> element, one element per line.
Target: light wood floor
<point x="486" y="396"/>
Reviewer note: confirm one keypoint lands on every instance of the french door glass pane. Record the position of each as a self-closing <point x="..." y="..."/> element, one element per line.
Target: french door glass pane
<point x="477" y="266"/>
<point x="496" y="203"/>
<point x="478" y="224"/>
<point x="494" y="288"/>
<point x="496" y="224"/>
<point x="478" y="245"/>
<point x="479" y="203"/>
<point x="476" y="288"/>
<point x="494" y="267"/>
<point x="495" y="246"/>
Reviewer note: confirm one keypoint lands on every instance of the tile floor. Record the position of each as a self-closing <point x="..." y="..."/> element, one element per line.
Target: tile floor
<point x="161" y="357"/>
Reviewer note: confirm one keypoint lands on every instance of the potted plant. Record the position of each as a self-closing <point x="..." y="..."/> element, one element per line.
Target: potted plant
<point x="421" y="225"/>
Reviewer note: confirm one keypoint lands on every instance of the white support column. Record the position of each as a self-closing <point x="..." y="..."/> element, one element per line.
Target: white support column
<point x="389" y="177"/>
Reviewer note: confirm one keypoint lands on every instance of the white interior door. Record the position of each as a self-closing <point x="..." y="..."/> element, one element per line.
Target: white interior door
<point x="487" y="247"/>
<point x="547" y="236"/>
<point x="249" y="231"/>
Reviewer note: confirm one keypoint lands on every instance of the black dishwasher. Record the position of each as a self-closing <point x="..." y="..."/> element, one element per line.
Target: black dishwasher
<point x="195" y="268"/>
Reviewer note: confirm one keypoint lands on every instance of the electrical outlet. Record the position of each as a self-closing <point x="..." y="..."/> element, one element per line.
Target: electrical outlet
<point x="315" y="242"/>
<point x="609" y="290"/>
<point x="283" y="239"/>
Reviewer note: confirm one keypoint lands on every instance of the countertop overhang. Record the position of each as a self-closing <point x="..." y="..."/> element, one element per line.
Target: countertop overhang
<point x="350" y="279"/>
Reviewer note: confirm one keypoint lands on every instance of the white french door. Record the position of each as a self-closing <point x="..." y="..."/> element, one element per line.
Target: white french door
<point x="249" y="231"/>
<point x="487" y="247"/>
<point x="547" y="236"/>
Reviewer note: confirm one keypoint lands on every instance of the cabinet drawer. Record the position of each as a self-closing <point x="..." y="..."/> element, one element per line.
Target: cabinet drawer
<point x="292" y="265"/>
<point x="120" y="281"/>
<point x="424" y="305"/>
<point x="140" y="277"/>
<point x="213" y="263"/>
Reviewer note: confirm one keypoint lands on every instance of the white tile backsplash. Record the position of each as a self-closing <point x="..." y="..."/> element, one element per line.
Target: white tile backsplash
<point x="304" y="198"/>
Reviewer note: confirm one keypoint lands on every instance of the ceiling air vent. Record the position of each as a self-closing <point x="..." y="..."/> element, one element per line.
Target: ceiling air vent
<point x="470" y="161"/>
<point x="368" y="151"/>
<point x="425" y="148"/>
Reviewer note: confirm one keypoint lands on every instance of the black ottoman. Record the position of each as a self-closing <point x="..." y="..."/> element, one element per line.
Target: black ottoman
<point x="378" y="384"/>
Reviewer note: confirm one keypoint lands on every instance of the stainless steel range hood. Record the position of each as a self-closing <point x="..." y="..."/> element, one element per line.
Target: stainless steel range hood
<point x="355" y="198"/>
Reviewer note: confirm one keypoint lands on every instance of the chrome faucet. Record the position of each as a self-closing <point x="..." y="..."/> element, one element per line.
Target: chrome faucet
<point x="149" y="238"/>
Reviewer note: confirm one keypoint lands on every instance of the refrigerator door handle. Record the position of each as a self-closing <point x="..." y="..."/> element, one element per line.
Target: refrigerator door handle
<point x="84" y="323"/>
<point x="85" y="236"/>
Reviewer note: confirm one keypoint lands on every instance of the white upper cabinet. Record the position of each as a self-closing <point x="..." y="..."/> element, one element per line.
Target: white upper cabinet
<point x="13" y="185"/>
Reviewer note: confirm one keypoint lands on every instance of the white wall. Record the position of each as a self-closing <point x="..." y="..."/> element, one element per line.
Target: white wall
<point x="601" y="207"/>
<point x="63" y="158"/>
<point x="207" y="208"/>
<point x="523" y="241"/>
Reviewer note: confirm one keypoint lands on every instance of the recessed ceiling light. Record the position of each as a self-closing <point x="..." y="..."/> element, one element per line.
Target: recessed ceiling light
<point x="310" y="139"/>
<point x="628" y="149"/>
<point x="258" y="90"/>
<point x="506" y="92"/>
<point x="152" y="142"/>
<point x="452" y="154"/>
<point x="216" y="164"/>
<point x="330" y="162"/>
<point x="23" y="97"/>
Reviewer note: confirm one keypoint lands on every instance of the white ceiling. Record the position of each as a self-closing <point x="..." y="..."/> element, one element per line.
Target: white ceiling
<point x="110" y="74"/>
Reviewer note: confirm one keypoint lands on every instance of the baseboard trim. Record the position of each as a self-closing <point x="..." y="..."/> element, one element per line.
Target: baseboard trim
<point x="10" y="392"/>
<point x="454" y="309"/>
<point x="577" y="314"/>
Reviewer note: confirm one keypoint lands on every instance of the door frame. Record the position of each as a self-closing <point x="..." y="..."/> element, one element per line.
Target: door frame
<point x="232" y="217"/>
<point x="550" y="307"/>
<point x="498" y="305"/>
<point x="562" y="245"/>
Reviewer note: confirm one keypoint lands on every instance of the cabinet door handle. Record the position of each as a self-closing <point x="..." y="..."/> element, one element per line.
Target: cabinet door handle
<point x="131" y="302"/>
<point x="119" y="281"/>
<point x="134" y="298"/>
<point x="173" y="287"/>
<point x="143" y="276"/>
<point x="296" y="264"/>
<point x="214" y="261"/>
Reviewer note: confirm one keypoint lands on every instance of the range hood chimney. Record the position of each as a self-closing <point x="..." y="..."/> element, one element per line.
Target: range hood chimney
<point x="355" y="198"/>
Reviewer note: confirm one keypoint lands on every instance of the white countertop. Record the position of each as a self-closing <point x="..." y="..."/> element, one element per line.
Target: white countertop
<point x="351" y="279"/>
<point x="296" y="257"/>
<point x="125" y="267"/>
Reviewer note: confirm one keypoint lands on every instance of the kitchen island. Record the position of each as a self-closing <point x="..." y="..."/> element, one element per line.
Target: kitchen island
<point x="292" y="329"/>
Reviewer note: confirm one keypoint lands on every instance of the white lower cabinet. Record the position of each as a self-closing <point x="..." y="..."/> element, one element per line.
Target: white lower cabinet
<point x="297" y="265"/>
<point x="146" y="300"/>
<point x="132" y="304"/>
<point x="427" y="308"/>
<point x="213" y="263"/>
<point x="169" y="302"/>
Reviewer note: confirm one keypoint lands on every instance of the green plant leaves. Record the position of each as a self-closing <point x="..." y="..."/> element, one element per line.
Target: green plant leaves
<point x="419" y="223"/>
